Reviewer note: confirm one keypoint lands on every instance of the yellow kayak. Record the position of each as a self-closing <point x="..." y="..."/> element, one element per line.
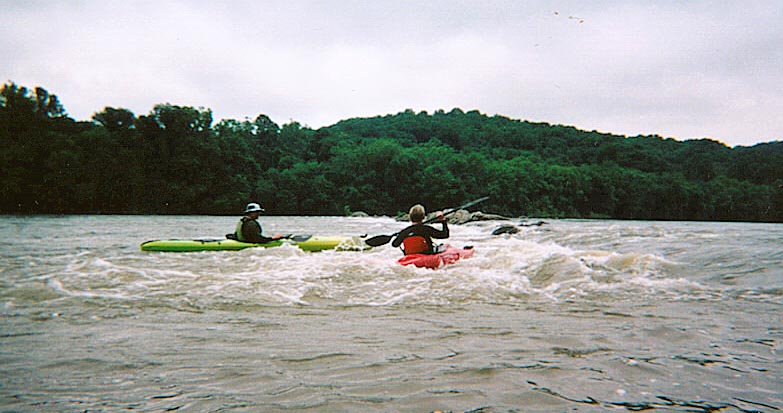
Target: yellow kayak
<point x="304" y="242"/>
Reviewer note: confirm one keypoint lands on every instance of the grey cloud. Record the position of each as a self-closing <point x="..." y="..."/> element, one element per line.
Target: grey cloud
<point x="686" y="70"/>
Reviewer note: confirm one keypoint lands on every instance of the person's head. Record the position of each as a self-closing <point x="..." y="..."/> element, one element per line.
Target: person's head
<point x="417" y="213"/>
<point x="253" y="210"/>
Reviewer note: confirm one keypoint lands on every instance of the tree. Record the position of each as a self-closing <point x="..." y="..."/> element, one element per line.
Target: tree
<point x="174" y="160"/>
<point x="115" y="120"/>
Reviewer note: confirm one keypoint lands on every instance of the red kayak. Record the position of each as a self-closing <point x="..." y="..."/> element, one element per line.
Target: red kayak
<point x="449" y="256"/>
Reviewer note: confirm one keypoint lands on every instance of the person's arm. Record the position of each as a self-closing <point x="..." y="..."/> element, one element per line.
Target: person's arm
<point x="442" y="233"/>
<point x="401" y="236"/>
<point x="252" y="233"/>
<point x="264" y="239"/>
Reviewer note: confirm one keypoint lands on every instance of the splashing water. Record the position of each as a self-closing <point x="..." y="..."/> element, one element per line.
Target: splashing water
<point x="585" y="315"/>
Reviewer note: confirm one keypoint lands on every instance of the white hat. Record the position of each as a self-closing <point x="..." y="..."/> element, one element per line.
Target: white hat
<point x="253" y="207"/>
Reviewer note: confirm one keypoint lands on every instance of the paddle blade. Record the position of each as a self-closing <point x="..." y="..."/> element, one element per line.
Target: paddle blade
<point x="378" y="240"/>
<point x="299" y="238"/>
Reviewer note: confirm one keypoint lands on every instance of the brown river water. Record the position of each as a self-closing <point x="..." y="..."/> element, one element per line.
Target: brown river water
<point x="569" y="316"/>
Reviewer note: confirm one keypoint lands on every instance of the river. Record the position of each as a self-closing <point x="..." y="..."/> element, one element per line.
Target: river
<point x="571" y="315"/>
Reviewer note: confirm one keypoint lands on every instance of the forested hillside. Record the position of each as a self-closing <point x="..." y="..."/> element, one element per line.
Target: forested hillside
<point x="176" y="160"/>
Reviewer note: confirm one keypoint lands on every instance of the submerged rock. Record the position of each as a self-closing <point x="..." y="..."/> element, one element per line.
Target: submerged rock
<point x="532" y="224"/>
<point x="505" y="229"/>
<point x="513" y="229"/>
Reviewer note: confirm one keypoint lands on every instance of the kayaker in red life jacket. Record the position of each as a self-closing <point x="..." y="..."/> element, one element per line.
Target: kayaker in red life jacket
<point x="249" y="229"/>
<point x="417" y="238"/>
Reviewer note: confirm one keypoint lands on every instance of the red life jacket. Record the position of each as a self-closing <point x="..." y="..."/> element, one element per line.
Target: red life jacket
<point x="415" y="245"/>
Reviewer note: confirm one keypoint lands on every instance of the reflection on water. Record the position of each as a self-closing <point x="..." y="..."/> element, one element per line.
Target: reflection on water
<point x="570" y="315"/>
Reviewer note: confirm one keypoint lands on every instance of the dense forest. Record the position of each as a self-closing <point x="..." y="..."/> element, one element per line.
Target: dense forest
<point x="174" y="160"/>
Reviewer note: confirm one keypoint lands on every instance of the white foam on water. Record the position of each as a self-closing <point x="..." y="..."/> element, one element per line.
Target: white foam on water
<point x="535" y="264"/>
<point x="631" y="317"/>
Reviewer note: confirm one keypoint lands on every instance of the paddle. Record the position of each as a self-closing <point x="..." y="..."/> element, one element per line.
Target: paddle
<point x="297" y="238"/>
<point x="379" y="240"/>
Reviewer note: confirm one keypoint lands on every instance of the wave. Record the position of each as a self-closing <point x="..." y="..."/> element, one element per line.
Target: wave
<point x="503" y="271"/>
<point x="595" y="262"/>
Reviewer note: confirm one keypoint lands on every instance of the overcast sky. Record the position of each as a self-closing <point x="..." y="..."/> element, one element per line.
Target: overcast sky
<point x="681" y="69"/>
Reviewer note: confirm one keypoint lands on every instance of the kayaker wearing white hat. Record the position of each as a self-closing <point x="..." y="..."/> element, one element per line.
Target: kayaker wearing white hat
<point x="249" y="229"/>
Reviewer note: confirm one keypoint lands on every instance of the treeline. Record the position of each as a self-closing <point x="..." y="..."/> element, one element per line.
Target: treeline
<point x="174" y="160"/>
